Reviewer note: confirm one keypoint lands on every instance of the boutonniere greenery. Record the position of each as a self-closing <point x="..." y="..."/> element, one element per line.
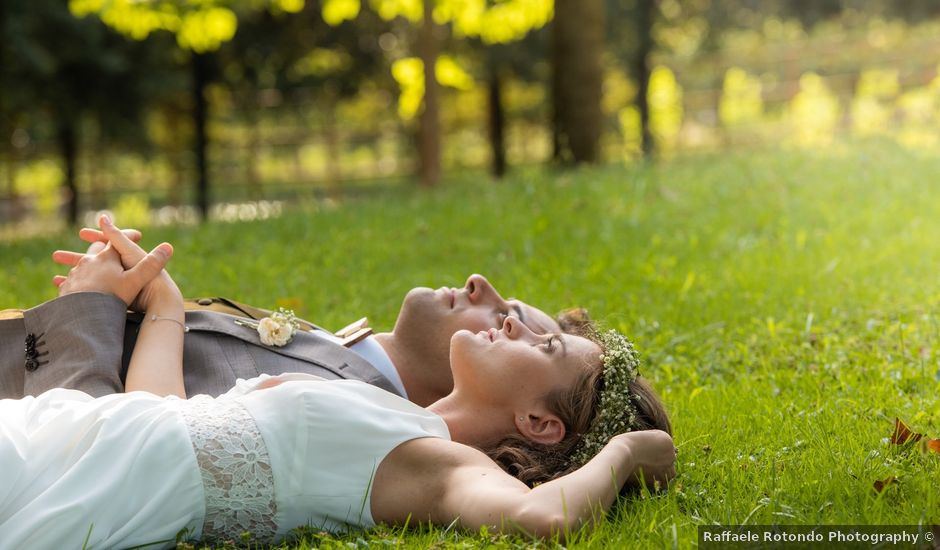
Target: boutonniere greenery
<point x="276" y="330"/>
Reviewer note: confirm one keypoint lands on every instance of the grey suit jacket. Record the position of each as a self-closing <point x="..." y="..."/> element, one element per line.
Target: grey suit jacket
<point x="84" y="341"/>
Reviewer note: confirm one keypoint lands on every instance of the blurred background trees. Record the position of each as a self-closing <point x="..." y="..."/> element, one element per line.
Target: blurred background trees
<point x="577" y="77"/>
<point x="172" y="111"/>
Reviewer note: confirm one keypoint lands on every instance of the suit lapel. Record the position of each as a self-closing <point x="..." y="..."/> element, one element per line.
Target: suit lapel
<point x="238" y="309"/>
<point x="309" y="347"/>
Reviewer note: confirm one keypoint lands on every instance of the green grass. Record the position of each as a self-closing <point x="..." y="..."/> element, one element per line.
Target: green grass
<point x="787" y="305"/>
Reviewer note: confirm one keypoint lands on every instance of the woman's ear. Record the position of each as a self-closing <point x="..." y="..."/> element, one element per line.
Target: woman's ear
<point x="544" y="428"/>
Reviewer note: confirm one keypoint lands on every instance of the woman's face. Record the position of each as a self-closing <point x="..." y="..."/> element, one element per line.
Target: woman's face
<point x="513" y="365"/>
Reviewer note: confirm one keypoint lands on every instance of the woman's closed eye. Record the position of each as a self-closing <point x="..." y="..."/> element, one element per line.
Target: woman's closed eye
<point x="549" y="345"/>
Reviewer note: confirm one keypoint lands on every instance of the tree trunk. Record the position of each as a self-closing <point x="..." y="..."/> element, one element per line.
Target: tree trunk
<point x="497" y="121"/>
<point x="95" y="194"/>
<point x="331" y="135"/>
<point x="252" y="181"/>
<point x="577" y="48"/>
<point x="642" y="71"/>
<point x="429" y="133"/>
<point x="7" y="126"/>
<point x="69" y="150"/>
<point x="556" y="94"/>
<point x="10" y="175"/>
<point x="173" y="153"/>
<point x="200" y="108"/>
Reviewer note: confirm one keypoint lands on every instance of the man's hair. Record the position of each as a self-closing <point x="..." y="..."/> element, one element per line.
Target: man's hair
<point x="575" y="321"/>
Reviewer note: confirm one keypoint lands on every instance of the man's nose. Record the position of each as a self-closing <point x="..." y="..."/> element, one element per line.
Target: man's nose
<point x="479" y="289"/>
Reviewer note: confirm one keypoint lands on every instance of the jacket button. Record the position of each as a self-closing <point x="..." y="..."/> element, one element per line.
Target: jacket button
<point x="204" y="301"/>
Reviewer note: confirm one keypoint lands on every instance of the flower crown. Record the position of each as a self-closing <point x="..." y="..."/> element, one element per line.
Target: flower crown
<point x="616" y="412"/>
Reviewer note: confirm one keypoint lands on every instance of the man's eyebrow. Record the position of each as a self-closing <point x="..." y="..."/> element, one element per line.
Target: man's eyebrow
<point x="519" y="315"/>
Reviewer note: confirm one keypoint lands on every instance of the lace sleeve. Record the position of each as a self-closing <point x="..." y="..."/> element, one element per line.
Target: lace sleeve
<point x="236" y="470"/>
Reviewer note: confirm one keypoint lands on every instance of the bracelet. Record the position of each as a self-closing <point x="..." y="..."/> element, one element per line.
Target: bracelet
<point x="156" y="317"/>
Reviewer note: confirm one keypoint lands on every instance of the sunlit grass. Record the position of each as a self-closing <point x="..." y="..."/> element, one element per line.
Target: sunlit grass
<point x="786" y="305"/>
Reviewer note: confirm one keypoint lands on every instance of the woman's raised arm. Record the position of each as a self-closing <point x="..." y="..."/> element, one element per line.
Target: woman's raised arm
<point x="122" y="268"/>
<point x="440" y="481"/>
<point x="156" y="364"/>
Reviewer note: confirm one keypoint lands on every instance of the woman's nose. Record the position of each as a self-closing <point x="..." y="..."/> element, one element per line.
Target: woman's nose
<point x="515" y="329"/>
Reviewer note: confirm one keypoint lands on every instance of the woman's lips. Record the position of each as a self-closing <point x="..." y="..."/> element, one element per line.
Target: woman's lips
<point x="487" y="334"/>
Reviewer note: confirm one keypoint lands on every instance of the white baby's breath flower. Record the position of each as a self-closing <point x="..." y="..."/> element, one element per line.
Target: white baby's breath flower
<point x="616" y="412"/>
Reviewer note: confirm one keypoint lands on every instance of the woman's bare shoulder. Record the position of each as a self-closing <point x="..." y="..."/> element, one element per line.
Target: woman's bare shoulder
<point x="441" y="453"/>
<point x="413" y="479"/>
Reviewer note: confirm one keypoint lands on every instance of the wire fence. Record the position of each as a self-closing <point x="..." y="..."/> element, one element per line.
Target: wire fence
<point x="802" y="93"/>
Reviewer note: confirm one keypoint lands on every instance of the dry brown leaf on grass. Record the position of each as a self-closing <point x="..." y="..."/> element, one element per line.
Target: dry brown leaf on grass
<point x="903" y="434"/>
<point x="882" y="484"/>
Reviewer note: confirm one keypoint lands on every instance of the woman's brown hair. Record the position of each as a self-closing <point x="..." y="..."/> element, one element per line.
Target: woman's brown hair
<point x="534" y="463"/>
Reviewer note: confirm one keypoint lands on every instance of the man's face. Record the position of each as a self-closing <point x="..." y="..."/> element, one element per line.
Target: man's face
<point x="429" y="318"/>
<point x="437" y="314"/>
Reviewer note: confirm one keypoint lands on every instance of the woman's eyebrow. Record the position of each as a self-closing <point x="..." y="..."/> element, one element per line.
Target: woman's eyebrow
<point x="564" y="345"/>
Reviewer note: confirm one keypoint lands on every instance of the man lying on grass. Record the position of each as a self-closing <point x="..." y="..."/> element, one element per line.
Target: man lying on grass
<point x="83" y="339"/>
<point x="538" y="436"/>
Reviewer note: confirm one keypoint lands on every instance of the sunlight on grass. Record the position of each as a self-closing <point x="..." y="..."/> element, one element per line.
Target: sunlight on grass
<point x="786" y="305"/>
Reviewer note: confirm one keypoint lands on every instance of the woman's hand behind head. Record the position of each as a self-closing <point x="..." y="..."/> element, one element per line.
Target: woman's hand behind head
<point x="654" y="456"/>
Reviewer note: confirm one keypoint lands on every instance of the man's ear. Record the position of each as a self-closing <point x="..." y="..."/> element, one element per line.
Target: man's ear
<point x="544" y="427"/>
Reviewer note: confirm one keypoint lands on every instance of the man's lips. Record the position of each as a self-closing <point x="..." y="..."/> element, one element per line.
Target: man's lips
<point x="449" y="294"/>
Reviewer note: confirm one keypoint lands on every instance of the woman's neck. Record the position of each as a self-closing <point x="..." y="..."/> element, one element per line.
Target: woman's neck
<point x="472" y="424"/>
<point x="417" y="372"/>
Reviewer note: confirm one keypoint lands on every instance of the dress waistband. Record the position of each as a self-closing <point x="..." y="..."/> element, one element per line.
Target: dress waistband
<point x="235" y="468"/>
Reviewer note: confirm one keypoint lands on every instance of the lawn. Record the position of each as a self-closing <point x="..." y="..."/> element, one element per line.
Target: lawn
<point x="786" y="304"/>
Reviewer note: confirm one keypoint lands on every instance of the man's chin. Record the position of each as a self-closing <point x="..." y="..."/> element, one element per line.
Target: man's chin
<point x="421" y="311"/>
<point x="423" y="301"/>
<point x="418" y="293"/>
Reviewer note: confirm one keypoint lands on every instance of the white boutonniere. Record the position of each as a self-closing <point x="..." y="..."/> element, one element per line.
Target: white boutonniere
<point x="276" y="330"/>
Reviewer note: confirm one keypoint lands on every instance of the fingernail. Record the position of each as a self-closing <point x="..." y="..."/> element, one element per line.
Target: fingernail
<point x="162" y="251"/>
<point x="105" y="220"/>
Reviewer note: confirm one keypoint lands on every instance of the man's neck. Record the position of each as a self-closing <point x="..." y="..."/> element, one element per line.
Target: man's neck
<point x="413" y="371"/>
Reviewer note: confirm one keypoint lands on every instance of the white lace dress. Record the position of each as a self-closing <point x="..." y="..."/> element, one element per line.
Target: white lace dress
<point x="134" y="469"/>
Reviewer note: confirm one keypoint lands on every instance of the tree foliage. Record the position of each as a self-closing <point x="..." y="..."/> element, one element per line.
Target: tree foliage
<point x="198" y="26"/>
<point x="71" y="73"/>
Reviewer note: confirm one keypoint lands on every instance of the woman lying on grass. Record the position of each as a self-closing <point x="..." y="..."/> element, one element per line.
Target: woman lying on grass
<point x="538" y="436"/>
